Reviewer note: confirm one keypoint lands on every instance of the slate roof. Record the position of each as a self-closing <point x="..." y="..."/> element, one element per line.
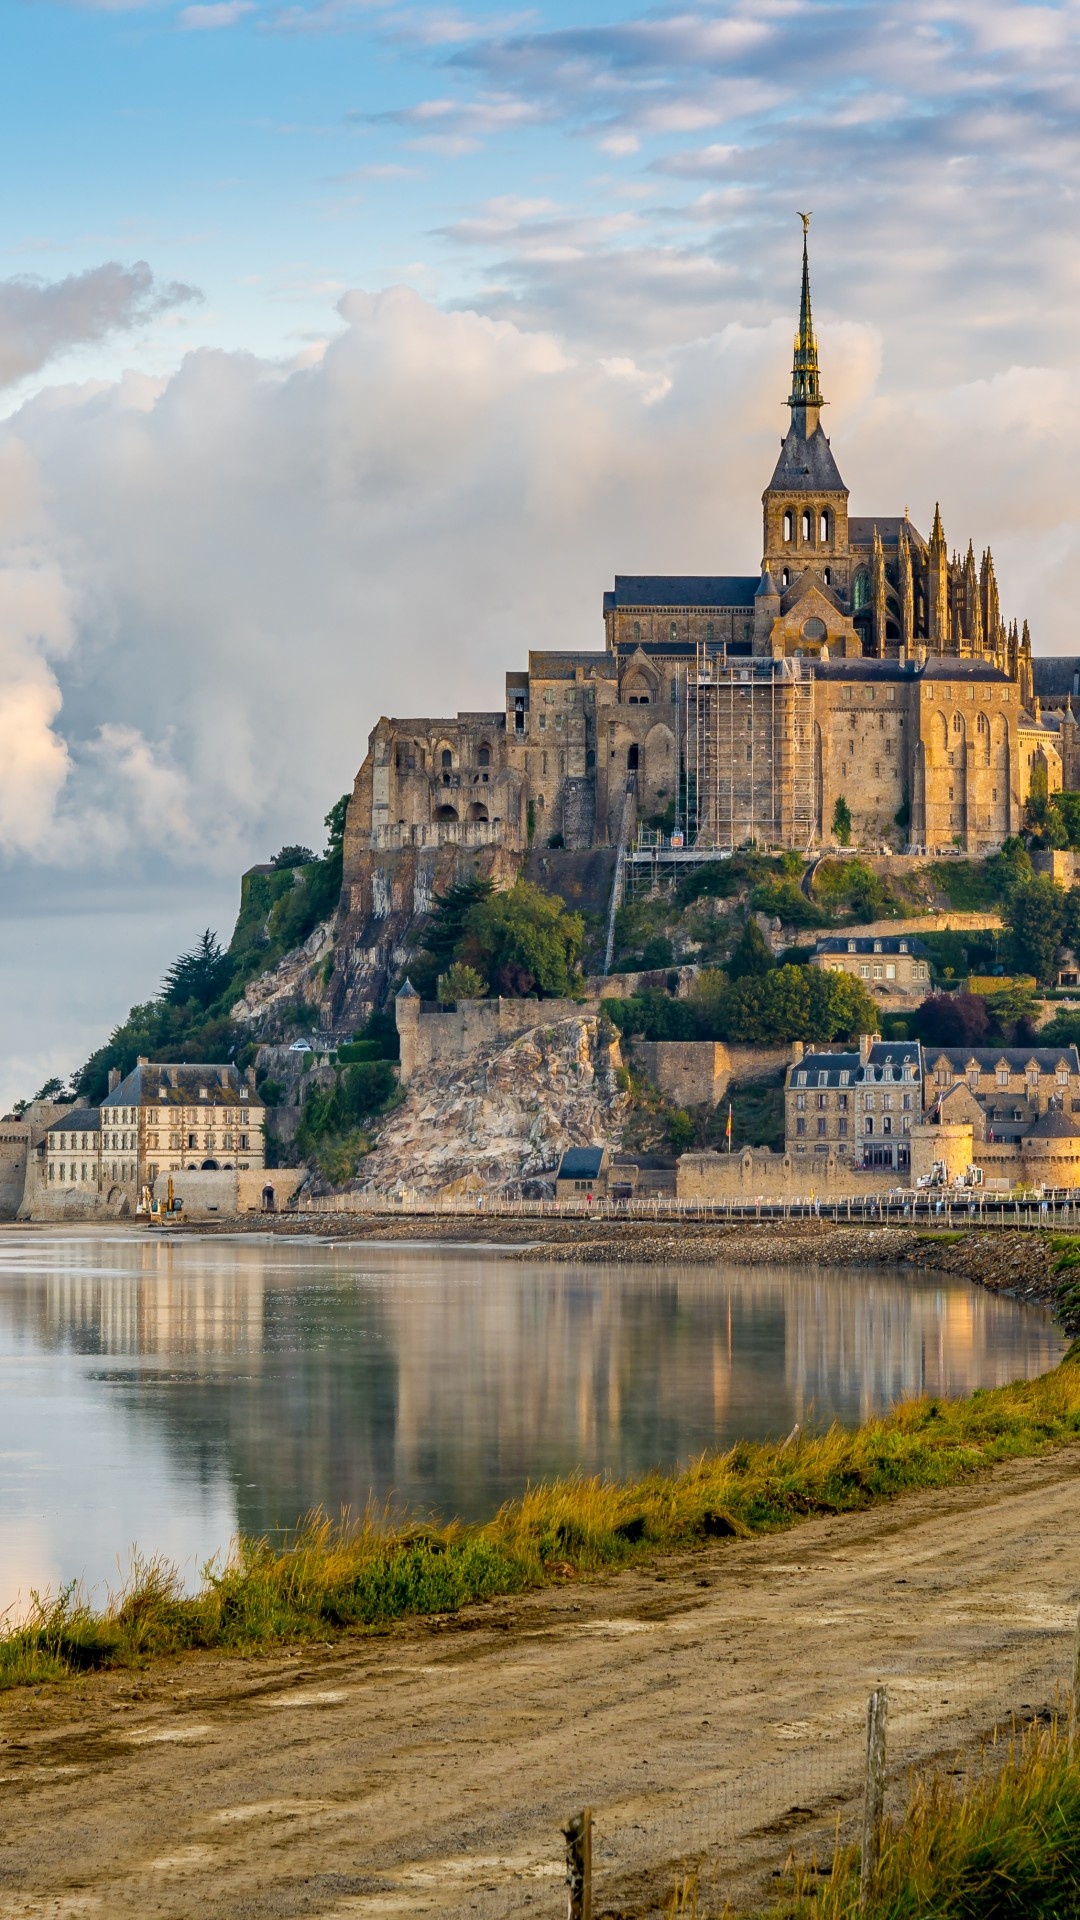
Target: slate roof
<point x="183" y="1087"/>
<point x="581" y="1163"/>
<point x="871" y="943"/>
<point x="683" y="590"/>
<point x="79" y="1120"/>
<point x="886" y="1062"/>
<point x="1055" y="675"/>
<point x="1015" y="1058"/>
<point x="947" y="666"/>
<point x="806" y="465"/>
<point x="885" y="670"/>
<point x="861" y="529"/>
<point x="1054" y="1125"/>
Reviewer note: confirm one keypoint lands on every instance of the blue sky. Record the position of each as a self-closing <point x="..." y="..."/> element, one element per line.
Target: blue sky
<point x="347" y="350"/>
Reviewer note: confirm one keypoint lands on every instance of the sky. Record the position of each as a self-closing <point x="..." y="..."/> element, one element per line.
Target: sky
<point x="348" y="349"/>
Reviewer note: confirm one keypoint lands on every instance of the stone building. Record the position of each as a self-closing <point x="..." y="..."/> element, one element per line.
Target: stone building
<point x="887" y="963"/>
<point x="858" y="1106"/>
<point x="1001" y="1090"/>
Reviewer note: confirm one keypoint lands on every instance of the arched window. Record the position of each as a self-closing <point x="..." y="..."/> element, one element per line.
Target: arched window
<point x="590" y="761"/>
<point x="827" y="576"/>
<point x="861" y="590"/>
<point x="789" y="524"/>
<point x="483" y="758"/>
<point x="674" y="632"/>
<point x="710" y="632"/>
<point x="824" y="524"/>
<point x="785" y="578"/>
<point x="808" y="525"/>
<point x="957" y="723"/>
<point x="637" y="629"/>
<point x="447" y="757"/>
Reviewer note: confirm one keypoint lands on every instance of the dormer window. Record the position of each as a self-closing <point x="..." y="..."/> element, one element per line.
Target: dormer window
<point x="204" y="1093"/>
<point x="823" y="1079"/>
<point x="800" y="1079"/>
<point x="851" y="947"/>
<point x="244" y="1093"/>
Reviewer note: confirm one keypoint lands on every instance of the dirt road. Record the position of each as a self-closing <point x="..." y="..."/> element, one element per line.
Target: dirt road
<point x="715" y="1699"/>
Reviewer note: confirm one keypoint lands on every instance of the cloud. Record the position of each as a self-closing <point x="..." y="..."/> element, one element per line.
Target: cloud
<point x="40" y="320"/>
<point x="207" y="19"/>
<point x="212" y="584"/>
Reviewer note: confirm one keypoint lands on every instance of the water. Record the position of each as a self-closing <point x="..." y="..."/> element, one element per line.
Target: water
<point x="165" y="1393"/>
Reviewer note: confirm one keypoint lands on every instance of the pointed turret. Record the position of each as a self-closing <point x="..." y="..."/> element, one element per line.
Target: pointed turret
<point x="877" y="594"/>
<point x="973" y="622"/>
<point x="907" y="586"/>
<point x="937" y="611"/>
<point x="989" y="602"/>
<point x="1027" y="677"/>
<point x="806" y="500"/>
<point x="805" y="401"/>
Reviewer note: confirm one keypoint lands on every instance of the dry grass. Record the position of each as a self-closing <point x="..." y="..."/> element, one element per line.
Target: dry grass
<point x="352" y="1575"/>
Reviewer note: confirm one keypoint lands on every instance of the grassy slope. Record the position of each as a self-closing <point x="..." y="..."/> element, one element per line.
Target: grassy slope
<point x="332" y="1578"/>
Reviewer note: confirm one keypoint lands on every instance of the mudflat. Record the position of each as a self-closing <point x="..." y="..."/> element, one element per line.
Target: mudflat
<point x="706" y="1705"/>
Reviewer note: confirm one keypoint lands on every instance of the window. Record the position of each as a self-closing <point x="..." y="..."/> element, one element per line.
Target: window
<point x="637" y="629"/>
<point x="868" y="1125"/>
<point x="800" y="1127"/>
<point x="789" y="525"/>
<point x="843" y="1129"/>
<point x="785" y="577"/>
<point x="824" y="528"/>
<point x="673" y="633"/>
<point x="886" y="1125"/>
<point x="447" y="757"/>
<point x="801" y="1080"/>
<point x="821" y="1126"/>
<point x="865" y="971"/>
<point x="710" y="632"/>
<point x="808" y="525"/>
<point x="483" y="758"/>
<point x="827" y="576"/>
<point x="868" y="1102"/>
<point x="841" y="1101"/>
<point x="822" y="1099"/>
<point x="800" y="1102"/>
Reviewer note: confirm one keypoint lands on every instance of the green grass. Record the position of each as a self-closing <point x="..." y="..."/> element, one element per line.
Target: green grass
<point x="1007" y="1848"/>
<point x="363" y="1575"/>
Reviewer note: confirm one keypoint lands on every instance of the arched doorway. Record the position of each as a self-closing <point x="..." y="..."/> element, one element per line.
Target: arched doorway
<point x="209" y="1166"/>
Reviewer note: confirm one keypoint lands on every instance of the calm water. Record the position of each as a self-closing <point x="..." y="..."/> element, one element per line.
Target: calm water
<point x="168" y="1393"/>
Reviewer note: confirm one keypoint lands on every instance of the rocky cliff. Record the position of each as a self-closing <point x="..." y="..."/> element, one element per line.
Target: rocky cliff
<point x="505" y="1115"/>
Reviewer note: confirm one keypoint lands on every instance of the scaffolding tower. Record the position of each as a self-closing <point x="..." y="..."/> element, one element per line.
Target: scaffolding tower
<point x="748" y="751"/>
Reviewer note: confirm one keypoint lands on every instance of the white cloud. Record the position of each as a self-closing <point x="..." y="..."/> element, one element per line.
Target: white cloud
<point x="208" y="19"/>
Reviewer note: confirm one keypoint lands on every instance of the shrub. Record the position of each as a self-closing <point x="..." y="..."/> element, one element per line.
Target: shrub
<point x="459" y="982"/>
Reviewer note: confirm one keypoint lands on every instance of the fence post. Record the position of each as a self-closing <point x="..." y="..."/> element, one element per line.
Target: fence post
<point x="1074" y="1698"/>
<point x="877" y="1712"/>
<point x="578" y="1837"/>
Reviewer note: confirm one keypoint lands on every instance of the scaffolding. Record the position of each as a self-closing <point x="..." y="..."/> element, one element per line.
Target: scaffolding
<point x="748" y="752"/>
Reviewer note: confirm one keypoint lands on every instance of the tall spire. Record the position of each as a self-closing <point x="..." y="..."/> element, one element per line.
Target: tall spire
<point x="805" y="375"/>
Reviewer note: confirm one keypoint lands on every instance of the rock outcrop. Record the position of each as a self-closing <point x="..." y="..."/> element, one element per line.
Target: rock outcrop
<point x="505" y="1115"/>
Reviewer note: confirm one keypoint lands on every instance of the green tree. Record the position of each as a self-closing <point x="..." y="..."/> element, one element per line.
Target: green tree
<point x="295" y="856"/>
<point x="680" y="1130"/>
<point x="1035" y="916"/>
<point x="841" y="821"/>
<point x="524" y="941"/>
<point x="752" y="957"/>
<point x="199" y="976"/>
<point x="1070" y="929"/>
<point x="840" y="1007"/>
<point x="445" y="932"/>
<point x="459" y="982"/>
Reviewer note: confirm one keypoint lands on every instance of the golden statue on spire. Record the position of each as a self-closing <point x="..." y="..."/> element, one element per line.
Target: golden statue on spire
<point x="805" y="218"/>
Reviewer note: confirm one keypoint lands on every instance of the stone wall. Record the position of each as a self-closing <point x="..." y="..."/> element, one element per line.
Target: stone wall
<point x="757" y="1173"/>
<point x="437" y="1036"/>
<point x="14" y="1150"/>
<point x="694" y="1073"/>
<point x="224" y="1193"/>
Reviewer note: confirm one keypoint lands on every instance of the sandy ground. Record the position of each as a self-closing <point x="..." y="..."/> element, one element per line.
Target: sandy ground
<point x="713" y="1703"/>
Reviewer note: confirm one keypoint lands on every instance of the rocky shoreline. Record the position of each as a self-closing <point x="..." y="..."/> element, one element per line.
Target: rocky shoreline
<point x="1022" y="1265"/>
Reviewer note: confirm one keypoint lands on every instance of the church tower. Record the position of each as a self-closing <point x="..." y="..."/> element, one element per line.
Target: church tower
<point x="806" y="501"/>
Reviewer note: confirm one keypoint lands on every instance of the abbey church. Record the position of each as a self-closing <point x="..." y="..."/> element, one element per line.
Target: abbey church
<point x="862" y="671"/>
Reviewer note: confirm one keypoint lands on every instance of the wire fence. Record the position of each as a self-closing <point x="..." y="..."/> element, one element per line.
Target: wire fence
<point x="736" y="1819"/>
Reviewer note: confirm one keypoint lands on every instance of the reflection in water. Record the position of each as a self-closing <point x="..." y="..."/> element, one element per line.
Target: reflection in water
<point x="171" y="1392"/>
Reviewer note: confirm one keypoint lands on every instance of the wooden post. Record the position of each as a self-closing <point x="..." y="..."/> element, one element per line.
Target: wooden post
<point x="877" y="1712"/>
<point x="1075" y="1698"/>
<point x="579" y="1866"/>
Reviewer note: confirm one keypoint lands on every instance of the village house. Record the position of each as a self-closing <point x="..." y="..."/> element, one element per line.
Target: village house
<point x="856" y="1104"/>
<point x="887" y="964"/>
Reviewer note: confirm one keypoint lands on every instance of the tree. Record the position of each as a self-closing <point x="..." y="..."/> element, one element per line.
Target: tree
<point x="840" y="1007"/>
<point x="199" y="976"/>
<point x="293" y="857"/>
<point x="445" y="931"/>
<point x="459" y="982"/>
<point x="841" y="821"/>
<point x="334" y="822"/>
<point x="1070" y="928"/>
<point x="53" y="1089"/>
<point x="1035" y="916"/>
<point x="953" y="1020"/>
<point x="524" y="941"/>
<point x="752" y="957"/>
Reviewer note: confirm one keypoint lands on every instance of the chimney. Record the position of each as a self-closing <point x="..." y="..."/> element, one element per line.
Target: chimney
<point x="114" y="1079"/>
<point x="866" y="1041"/>
<point x="143" y="1060"/>
<point x="798" y="1048"/>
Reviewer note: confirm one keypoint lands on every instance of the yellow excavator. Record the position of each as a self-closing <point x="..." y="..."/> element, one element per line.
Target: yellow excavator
<point x="162" y="1213"/>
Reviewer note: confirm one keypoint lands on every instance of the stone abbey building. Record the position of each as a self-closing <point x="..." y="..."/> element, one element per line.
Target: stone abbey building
<point x="862" y="662"/>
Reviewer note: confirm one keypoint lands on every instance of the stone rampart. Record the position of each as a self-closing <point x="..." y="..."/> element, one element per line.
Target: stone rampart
<point x="433" y="1036"/>
<point x="756" y="1173"/>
